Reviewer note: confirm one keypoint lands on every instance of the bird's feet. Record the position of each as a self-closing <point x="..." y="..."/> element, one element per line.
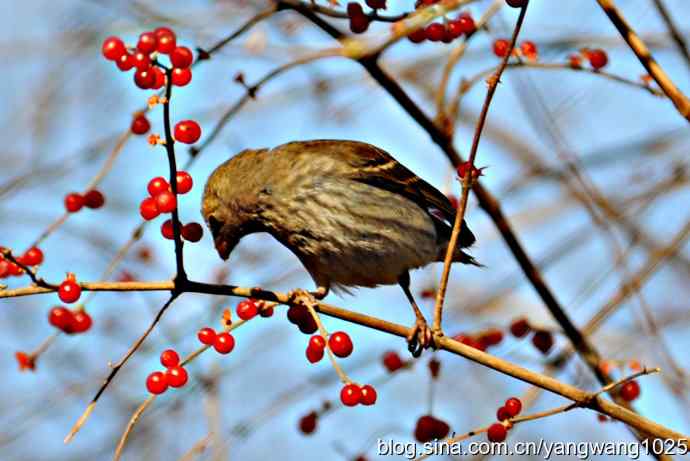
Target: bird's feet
<point x="420" y="338"/>
<point x="300" y="295"/>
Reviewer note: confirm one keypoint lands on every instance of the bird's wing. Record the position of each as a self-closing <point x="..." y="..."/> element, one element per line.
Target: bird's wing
<point x="377" y="168"/>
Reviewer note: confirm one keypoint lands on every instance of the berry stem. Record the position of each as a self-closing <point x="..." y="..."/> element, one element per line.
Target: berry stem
<point x="469" y="177"/>
<point x="308" y="301"/>
<point x="181" y="277"/>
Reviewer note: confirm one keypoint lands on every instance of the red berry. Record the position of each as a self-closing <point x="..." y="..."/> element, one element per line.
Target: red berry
<point x="441" y="429"/>
<point x="630" y="391"/>
<point x="142" y="61"/>
<point x="74" y="202"/>
<point x="148" y="209"/>
<point x="167" y="229"/>
<point x="113" y="48"/>
<point x="187" y="131"/>
<point x="69" y="291"/>
<point x="350" y="394"/>
<point x="340" y="344"/>
<point x="354" y="9"/>
<point x="157" y="382"/>
<point x="166" y="40"/>
<point x="307" y="423"/>
<point x="376" y="4"/>
<point x="206" y="336"/>
<point x="81" y="322"/>
<point x="94" y="199"/>
<point x="501" y="47"/>
<point x="157" y="185"/>
<point x="192" y="232"/>
<point x="184" y="182"/>
<point x="519" y="327"/>
<point x="513" y="406"/>
<point x="140" y="124"/>
<point x="466" y="23"/>
<point x="166" y="202"/>
<point x="147" y="42"/>
<point x="314" y="354"/>
<point x="32" y="257"/>
<point x="359" y="23"/>
<point x="125" y="62"/>
<point x="317" y="342"/>
<point x="418" y="36"/>
<point x="297" y="314"/>
<point x="517" y="3"/>
<point x="454" y="28"/>
<point x="368" y="395"/>
<point x="181" y="77"/>
<point x="159" y="78"/>
<point x="392" y="361"/>
<point x="176" y="376"/>
<point x="502" y="414"/>
<point x="169" y="358"/>
<point x="497" y="432"/>
<point x="575" y="61"/>
<point x="247" y="309"/>
<point x="181" y="57"/>
<point x="309" y="326"/>
<point x="145" y="79"/>
<point x="529" y="50"/>
<point x="224" y="343"/>
<point x="597" y="58"/>
<point x="435" y="32"/>
<point x="424" y="429"/>
<point x="60" y="317"/>
<point x="543" y="340"/>
<point x="491" y="337"/>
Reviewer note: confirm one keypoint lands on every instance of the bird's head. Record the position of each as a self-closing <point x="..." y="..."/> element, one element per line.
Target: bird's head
<point x="230" y="207"/>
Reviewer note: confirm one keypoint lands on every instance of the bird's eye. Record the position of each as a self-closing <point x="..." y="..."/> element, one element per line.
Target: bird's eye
<point x="215" y="225"/>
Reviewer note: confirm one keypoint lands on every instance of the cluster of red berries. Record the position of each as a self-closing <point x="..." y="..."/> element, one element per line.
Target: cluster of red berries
<point x="69" y="321"/>
<point x="597" y="58"/>
<point x="446" y="31"/>
<point x="359" y="21"/>
<point x="162" y="200"/>
<point x="392" y="361"/>
<point x="144" y="58"/>
<point x="299" y="315"/>
<point x="352" y="394"/>
<point x="249" y="308"/>
<point x="222" y="342"/>
<point x="482" y="340"/>
<point x="69" y="290"/>
<point x="93" y="199"/>
<point x="528" y="49"/>
<point x="430" y="428"/>
<point x="32" y="257"/>
<point x="498" y="431"/>
<point x="174" y="375"/>
<point x="339" y="343"/>
<point x="541" y="339"/>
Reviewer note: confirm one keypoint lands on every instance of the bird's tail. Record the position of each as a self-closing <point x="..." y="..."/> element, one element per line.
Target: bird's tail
<point x="459" y="257"/>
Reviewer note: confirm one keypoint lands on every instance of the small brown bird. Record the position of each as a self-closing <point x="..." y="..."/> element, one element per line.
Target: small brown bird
<point x="348" y="210"/>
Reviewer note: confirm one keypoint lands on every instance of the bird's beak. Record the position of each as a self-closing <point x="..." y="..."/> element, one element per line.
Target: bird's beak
<point x="223" y="247"/>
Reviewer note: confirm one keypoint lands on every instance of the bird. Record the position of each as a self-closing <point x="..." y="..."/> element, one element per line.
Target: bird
<point x="349" y="211"/>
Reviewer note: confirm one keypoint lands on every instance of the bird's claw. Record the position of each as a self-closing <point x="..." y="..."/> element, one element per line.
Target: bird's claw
<point x="420" y="338"/>
<point x="301" y="296"/>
